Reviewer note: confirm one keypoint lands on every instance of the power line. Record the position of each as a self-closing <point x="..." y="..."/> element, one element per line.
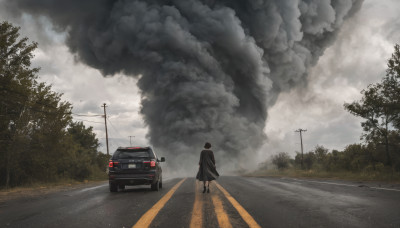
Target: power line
<point x="115" y="129"/>
<point x="88" y="121"/>
<point x="30" y="106"/>
<point x="86" y="115"/>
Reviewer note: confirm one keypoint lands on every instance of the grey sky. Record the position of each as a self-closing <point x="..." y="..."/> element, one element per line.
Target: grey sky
<point x="356" y="59"/>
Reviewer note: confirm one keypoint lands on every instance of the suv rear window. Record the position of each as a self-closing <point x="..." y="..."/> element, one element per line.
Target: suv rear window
<point x="132" y="153"/>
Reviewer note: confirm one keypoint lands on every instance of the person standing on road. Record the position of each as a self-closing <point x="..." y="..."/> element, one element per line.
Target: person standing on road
<point x="207" y="169"/>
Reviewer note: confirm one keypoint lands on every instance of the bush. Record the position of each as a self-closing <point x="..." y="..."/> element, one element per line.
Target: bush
<point x="281" y="160"/>
<point x="309" y="160"/>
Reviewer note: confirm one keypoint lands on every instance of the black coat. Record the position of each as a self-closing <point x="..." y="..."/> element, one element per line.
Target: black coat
<point x="207" y="170"/>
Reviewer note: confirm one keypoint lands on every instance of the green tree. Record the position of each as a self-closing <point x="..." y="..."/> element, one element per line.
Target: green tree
<point x="375" y="108"/>
<point x="320" y="153"/>
<point x="38" y="140"/>
<point x="84" y="136"/>
<point x="335" y="160"/>
<point x="394" y="138"/>
<point x="391" y="84"/>
<point x="309" y="160"/>
<point x="85" y="150"/>
<point x="380" y="105"/>
<point x="355" y="157"/>
<point x="281" y="160"/>
<point x="17" y="80"/>
<point x="49" y="118"/>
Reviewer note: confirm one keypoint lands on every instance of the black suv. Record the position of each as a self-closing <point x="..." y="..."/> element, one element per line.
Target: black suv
<point x="134" y="166"/>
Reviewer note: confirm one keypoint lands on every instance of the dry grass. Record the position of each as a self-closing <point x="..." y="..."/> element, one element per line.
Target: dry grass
<point x="337" y="175"/>
<point x="38" y="189"/>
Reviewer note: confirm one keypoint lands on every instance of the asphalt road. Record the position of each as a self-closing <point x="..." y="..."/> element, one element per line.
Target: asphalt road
<point x="233" y="202"/>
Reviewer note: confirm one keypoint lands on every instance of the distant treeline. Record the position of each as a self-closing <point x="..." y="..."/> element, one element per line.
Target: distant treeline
<point x="380" y="149"/>
<point x="39" y="141"/>
<point x="370" y="159"/>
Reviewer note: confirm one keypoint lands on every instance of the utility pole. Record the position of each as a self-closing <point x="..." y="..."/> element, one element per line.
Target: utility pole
<point x="301" y="141"/>
<point x="105" y="123"/>
<point x="130" y="139"/>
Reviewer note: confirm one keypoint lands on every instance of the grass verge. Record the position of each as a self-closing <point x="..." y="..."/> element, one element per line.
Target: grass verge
<point x="391" y="177"/>
<point x="42" y="188"/>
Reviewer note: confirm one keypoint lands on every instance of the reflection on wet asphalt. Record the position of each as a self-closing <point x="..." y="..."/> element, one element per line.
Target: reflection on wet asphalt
<point x="270" y="202"/>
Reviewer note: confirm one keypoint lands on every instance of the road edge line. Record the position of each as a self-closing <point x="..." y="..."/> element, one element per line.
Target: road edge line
<point x="245" y="215"/>
<point x="149" y="216"/>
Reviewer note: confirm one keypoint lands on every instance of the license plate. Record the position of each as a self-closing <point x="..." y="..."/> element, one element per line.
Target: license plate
<point x="132" y="166"/>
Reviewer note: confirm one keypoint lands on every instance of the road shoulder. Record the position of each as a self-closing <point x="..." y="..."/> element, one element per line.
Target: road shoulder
<point x="41" y="190"/>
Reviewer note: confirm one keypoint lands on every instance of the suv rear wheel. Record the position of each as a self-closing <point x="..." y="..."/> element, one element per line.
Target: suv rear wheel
<point x="113" y="187"/>
<point x="155" y="186"/>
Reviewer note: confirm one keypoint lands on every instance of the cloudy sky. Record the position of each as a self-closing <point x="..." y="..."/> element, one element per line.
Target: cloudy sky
<point x="357" y="58"/>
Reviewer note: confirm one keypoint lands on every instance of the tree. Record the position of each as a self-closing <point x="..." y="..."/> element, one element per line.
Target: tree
<point x="281" y="160"/>
<point x="375" y="108"/>
<point x="391" y="84"/>
<point x="84" y="136"/>
<point x="48" y="119"/>
<point x="320" y="153"/>
<point x="380" y="105"/>
<point x="85" y="150"/>
<point x="309" y="160"/>
<point x="17" y="80"/>
<point x="354" y="157"/>
<point x="38" y="140"/>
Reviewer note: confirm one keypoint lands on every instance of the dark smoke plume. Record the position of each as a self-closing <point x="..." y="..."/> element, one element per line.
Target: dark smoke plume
<point x="208" y="69"/>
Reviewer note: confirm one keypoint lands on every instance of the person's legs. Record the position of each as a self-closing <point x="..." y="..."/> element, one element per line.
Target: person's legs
<point x="204" y="190"/>
<point x="208" y="187"/>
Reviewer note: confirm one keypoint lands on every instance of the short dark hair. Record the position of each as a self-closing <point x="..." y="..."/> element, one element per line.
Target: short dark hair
<point x="207" y="145"/>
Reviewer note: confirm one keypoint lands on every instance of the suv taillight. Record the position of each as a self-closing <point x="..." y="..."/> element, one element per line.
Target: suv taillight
<point x="112" y="164"/>
<point x="152" y="163"/>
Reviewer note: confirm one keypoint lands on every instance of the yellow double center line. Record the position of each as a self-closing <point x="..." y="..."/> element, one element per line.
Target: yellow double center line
<point x="245" y="215"/>
<point x="147" y="218"/>
<point x="222" y="217"/>
<point x="197" y="214"/>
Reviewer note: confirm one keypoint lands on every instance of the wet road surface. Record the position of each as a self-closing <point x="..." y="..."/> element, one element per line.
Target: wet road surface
<point x="232" y="202"/>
